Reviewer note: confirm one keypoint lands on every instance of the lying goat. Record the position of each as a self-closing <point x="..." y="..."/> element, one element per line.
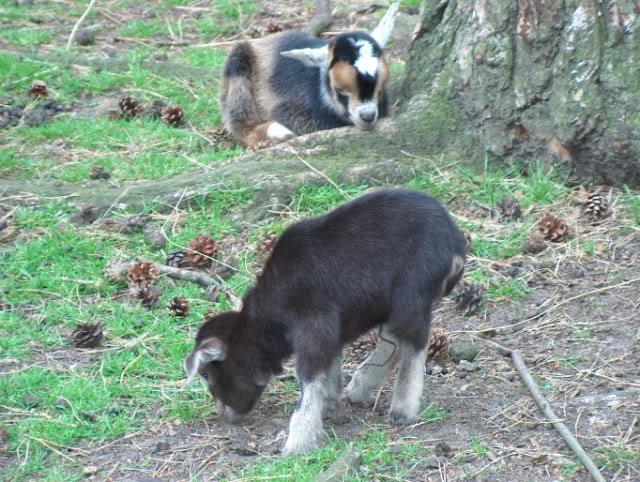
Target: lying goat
<point x="291" y="83"/>
<point x="382" y="260"/>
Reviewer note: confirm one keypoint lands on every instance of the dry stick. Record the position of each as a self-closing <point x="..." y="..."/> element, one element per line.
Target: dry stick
<point x="562" y="429"/>
<point x="78" y="23"/>
<point x="194" y="276"/>
<point x="322" y="19"/>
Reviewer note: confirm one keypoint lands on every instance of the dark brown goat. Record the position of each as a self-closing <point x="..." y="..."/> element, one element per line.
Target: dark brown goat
<point x="382" y="260"/>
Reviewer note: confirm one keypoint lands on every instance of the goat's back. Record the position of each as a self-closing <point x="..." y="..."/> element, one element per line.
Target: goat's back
<point x="365" y="257"/>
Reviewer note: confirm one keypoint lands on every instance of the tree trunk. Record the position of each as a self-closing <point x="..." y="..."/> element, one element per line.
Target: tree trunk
<point x="533" y="80"/>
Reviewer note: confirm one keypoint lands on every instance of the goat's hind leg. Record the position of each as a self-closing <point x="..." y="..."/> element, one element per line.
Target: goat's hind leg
<point x="371" y="374"/>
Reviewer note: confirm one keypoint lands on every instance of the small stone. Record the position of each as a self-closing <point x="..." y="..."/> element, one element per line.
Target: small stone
<point x="154" y="236"/>
<point x="432" y="462"/>
<point x="463" y="351"/>
<point x="510" y="376"/>
<point x="161" y="447"/>
<point x="436" y="370"/>
<point x="85" y="37"/>
<point x="466" y="366"/>
<point x="243" y="444"/>
<point x="31" y="401"/>
<point x="534" y="246"/>
<point x="99" y="172"/>
<point x="443" y="450"/>
<point x="90" y="470"/>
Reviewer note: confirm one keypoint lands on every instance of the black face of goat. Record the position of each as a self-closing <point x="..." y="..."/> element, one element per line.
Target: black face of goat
<point x="380" y="261"/>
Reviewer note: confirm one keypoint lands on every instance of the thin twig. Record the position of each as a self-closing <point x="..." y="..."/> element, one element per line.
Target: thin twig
<point x="78" y="23"/>
<point x="327" y="178"/>
<point x="562" y="429"/>
<point x="322" y="18"/>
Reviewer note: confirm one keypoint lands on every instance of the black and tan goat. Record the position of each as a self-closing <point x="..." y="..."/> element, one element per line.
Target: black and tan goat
<point x="382" y="260"/>
<point x="291" y="83"/>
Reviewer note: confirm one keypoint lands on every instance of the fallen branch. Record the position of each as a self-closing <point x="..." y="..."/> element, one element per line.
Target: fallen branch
<point x="322" y="19"/>
<point x="78" y="23"/>
<point x="562" y="429"/>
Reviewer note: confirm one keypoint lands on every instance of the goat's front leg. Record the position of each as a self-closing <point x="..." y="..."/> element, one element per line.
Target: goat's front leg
<point x="407" y="392"/>
<point x="305" y="429"/>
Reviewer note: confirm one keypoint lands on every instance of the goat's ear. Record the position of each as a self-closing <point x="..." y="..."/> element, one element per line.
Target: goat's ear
<point x="211" y="349"/>
<point x="311" y="57"/>
<point x="383" y="31"/>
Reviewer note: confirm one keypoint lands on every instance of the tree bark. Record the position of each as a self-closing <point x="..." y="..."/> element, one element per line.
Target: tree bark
<point x="556" y="81"/>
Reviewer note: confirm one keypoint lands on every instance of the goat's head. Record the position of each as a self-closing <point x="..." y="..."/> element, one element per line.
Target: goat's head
<point x="356" y="71"/>
<point x="235" y="378"/>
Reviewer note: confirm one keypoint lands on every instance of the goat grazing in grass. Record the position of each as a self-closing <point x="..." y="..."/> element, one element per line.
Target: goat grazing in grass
<point x="382" y="261"/>
<point x="292" y="83"/>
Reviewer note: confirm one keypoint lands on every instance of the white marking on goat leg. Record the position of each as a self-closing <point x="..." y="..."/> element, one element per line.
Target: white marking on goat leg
<point x="367" y="62"/>
<point x="276" y="132"/>
<point x="305" y="428"/>
<point x="334" y="388"/>
<point x="407" y="391"/>
<point x="370" y="375"/>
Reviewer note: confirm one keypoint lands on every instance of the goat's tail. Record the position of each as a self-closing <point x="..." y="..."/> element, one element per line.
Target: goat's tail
<point x="456" y="271"/>
<point x="237" y="102"/>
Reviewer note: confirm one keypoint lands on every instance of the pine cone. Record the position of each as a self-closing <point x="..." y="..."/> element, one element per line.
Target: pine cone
<point x="38" y="89"/>
<point x="177" y="259"/>
<point x="273" y="27"/>
<point x="222" y="137"/>
<point x="142" y="273"/>
<point x="361" y="348"/>
<point x="148" y="294"/>
<point x="174" y="115"/>
<point x="553" y="228"/>
<point x="87" y="214"/>
<point x="255" y="32"/>
<point x="201" y="251"/>
<point x="468" y="241"/>
<point x="99" y="172"/>
<point x="267" y="244"/>
<point x="179" y="306"/>
<point x="156" y="109"/>
<point x="130" y="108"/>
<point x="439" y="346"/>
<point x="469" y="298"/>
<point x="88" y="335"/>
<point x="533" y="246"/>
<point x="135" y="224"/>
<point x="509" y="208"/>
<point x="596" y="206"/>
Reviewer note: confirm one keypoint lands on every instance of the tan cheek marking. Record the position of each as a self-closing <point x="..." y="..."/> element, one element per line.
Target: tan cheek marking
<point x="343" y="76"/>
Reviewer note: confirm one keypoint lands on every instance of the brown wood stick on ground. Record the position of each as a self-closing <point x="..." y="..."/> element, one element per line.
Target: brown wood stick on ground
<point x="562" y="429"/>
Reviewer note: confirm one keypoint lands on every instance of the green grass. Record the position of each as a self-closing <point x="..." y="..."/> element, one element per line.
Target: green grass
<point x="312" y="199"/>
<point x="381" y="458"/>
<point x="47" y="279"/>
<point x="434" y="413"/>
<point x="478" y="446"/>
